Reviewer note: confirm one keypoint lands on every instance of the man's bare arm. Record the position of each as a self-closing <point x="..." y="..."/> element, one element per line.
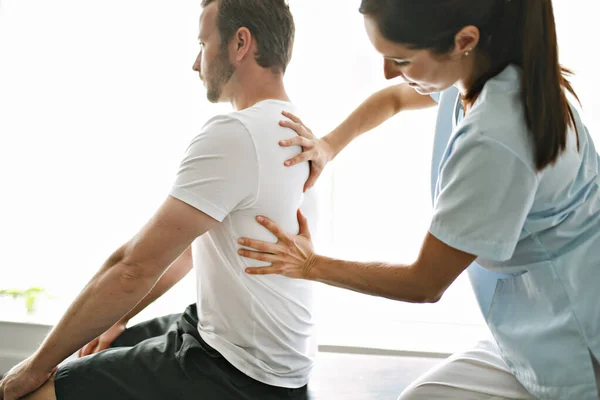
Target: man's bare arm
<point x="176" y="272"/>
<point x="124" y="279"/>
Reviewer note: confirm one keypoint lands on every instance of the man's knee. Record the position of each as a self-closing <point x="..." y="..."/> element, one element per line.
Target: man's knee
<point x="45" y="392"/>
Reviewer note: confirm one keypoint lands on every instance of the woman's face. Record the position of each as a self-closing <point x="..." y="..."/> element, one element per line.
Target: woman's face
<point x="425" y="72"/>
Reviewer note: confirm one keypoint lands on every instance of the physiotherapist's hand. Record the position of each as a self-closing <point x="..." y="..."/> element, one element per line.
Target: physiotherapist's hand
<point x="103" y="341"/>
<point x="316" y="151"/>
<point x="23" y="379"/>
<point x="291" y="256"/>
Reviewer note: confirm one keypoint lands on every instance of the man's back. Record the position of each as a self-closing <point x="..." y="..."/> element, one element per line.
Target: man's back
<point x="234" y="171"/>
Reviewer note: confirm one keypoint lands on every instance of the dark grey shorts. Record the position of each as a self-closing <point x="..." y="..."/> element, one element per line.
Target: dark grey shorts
<point x="162" y="359"/>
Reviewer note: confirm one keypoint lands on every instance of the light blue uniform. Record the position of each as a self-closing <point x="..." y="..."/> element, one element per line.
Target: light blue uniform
<point x="537" y="233"/>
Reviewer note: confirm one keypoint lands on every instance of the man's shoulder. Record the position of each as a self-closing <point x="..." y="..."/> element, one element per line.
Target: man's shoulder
<point x="223" y="134"/>
<point x="224" y="124"/>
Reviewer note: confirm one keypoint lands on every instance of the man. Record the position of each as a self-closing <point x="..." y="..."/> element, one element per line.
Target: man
<point x="248" y="337"/>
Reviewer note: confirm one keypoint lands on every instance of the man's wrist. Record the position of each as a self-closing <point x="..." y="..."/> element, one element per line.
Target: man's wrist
<point x="40" y="363"/>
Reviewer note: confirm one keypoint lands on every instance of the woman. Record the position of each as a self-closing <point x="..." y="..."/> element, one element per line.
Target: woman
<point x="517" y="189"/>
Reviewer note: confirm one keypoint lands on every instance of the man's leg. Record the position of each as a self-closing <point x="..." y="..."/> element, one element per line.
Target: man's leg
<point x="176" y="365"/>
<point x="478" y="374"/>
<point x="46" y="392"/>
<point x="146" y="330"/>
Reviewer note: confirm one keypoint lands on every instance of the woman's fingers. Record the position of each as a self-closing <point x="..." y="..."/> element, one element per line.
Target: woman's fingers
<point x="274" y="229"/>
<point x="300" y="158"/>
<point x="298" y="141"/>
<point x="312" y="179"/>
<point x="260" y="256"/>
<point x="292" y="117"/>
<point x="298" y="128"/>
<point x="263" y="270"/>
<point x="259" y="245"/>
<point x="303" y="223"/>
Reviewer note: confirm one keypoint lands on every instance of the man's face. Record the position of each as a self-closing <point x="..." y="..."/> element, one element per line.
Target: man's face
<point x="213" y="62"/>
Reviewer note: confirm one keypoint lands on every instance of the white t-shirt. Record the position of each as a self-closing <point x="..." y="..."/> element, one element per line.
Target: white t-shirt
<point x="233" y="171"/>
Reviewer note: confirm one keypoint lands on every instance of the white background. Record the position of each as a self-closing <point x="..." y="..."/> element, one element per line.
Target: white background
<point x="98" y="103"/>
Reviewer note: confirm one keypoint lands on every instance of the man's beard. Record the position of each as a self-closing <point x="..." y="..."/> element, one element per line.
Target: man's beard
<point x="221" y="72"/>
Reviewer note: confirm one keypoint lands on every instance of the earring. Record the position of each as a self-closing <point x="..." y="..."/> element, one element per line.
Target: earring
<point x="468" y="52"/>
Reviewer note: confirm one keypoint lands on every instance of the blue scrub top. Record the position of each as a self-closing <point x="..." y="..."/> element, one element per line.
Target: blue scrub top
<point x="536" y="235"/>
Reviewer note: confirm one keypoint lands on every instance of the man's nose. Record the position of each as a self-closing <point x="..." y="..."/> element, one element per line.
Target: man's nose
<point x="197" y="64"/>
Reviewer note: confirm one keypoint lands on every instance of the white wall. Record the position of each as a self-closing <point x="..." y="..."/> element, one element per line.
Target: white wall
<point x="18" y="341"/>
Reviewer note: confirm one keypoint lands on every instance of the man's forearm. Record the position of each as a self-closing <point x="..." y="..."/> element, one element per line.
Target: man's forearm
<point x="176" y="272"/>
<point x="111" y="293"/>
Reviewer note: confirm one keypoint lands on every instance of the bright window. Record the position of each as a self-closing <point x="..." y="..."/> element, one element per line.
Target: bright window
<point x="98" y="103"/>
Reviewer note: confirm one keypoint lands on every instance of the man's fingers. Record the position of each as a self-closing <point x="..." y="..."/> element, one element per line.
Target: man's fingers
<point x="88" y="348"/>
<point x="102" y="345"/>
<point x="83" y="351"/>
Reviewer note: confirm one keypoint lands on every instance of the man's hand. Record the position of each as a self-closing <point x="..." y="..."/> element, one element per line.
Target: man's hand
<point x="103" y="341"/>
<point x="22" y="380"/>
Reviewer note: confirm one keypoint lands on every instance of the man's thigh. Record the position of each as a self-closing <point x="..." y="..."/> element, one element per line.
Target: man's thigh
<point x="130" y="338"/>
<point x="46" y="392"/>
<point x="148" y="371"/>
<point x="170" y="366"/>
<point x="146" y="330"/>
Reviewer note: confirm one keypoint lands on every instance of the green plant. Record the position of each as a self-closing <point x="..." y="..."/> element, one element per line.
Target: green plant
<point x="30" y="295"/>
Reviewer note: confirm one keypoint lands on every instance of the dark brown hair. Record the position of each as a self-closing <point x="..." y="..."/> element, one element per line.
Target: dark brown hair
<point x="270" y="22"/>
<point x="520" y="32"/>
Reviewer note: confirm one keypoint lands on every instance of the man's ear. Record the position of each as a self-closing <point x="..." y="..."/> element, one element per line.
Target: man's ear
<point x="242" y="43"/>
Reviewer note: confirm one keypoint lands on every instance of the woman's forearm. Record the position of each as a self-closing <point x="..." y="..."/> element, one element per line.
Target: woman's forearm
<point x="374" y="111"/>
<point x="396" y="282"/>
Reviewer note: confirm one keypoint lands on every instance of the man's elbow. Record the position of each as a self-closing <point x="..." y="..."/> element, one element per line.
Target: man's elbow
<point x="132" y="275"/>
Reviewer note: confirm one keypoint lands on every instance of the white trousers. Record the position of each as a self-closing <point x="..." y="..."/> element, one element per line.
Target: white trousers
<point x="477" y="374"/>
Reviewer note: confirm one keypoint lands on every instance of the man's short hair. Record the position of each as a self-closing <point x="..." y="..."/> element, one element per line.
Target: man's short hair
<point x="270" y="22"/>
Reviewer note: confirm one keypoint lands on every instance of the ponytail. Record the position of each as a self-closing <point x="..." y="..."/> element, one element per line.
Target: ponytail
<point x="544" y="83"/>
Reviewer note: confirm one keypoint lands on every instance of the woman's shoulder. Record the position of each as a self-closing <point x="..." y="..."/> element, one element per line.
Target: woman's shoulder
<point x="498" y="115"/>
